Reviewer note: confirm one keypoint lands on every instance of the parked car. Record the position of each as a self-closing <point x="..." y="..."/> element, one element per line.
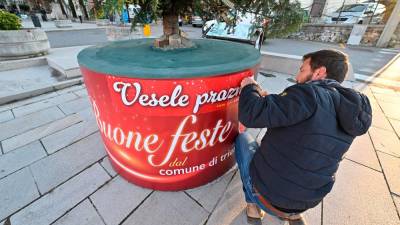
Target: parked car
<point x="245" y="31"/>
<point x="357" y="13"/>
<point x="197" y="21"/>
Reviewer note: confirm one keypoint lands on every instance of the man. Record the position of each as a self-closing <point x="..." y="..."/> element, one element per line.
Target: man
<point x="310" y="127"/>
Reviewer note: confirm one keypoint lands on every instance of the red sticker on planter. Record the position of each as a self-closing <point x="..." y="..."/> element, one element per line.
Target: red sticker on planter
<point x="167" y="134"/>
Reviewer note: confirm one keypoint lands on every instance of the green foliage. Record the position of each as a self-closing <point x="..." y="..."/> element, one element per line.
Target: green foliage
<point x="286" y="18"/>
<point x="282" y="16"/>
<point x="9" y="21"/>
<point x="112" y="6"/>
<point x="97" y="13"/>
<point x="176" y="7"/>
<point x="149" y="12"/>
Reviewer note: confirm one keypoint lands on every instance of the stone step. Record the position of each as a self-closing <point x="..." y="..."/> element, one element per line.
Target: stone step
<point x="64" y="61"/>
<point x="22" y="63"/>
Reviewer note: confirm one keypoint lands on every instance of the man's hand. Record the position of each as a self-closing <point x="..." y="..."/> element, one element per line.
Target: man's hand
<point x="246" y="81"/>
<point x="264" y="93"/>
<point x="250" y="80"/>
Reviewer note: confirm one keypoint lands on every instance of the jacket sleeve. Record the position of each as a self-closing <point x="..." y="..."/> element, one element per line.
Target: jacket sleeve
<point x="297" y="103"/>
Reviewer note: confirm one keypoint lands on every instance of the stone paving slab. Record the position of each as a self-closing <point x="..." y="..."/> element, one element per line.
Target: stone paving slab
<point x="69" y="135"/>
<point x="115" y="200"/>
<point x="62" y="165"/>
<point x="261" y="135"/>
<point x="360" y="196"/>
<point x="23" y="124"/>
<point x="379" y="119"/>
<point x="106" y="164"/>
<point x="208" y="195"/>
<point x="6" y="115"/>
<point x="86" y="114"/>
<point x="231" y="209"/>
<point x="75" y="106"/>
<point x="380" y="90"/>
<point x="168" y="208"/>
<point x="16" y="191"/>
<point x="22" y="79"/>
<point x="314" y="216"/>
<point x="396" y="199"/>
<point x="391" y="167"/>
<point x="64" y="60"/>
<point x="70" y="89"/>
<point x="253" y="132"/>
<point x="21" y="158"/>
<point x="362" y="151"/>
<point x="390" y="98"/>
<point x="354" y="201"/>
<point x="83" y="214"/>
<point x="390" y="110"/>
<point x="39" y="132"/>
<point x="81" y="93"/>
<point x="396" y="126"/>
<point x="385" y="141"/>
<point x="37" y="106"/>
<point x="56" y="203"/>
<point x="27" y="101"/>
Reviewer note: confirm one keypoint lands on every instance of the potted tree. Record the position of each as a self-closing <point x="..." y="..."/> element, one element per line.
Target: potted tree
<point x="167" y="107"/>
<point x="20" y="43"/>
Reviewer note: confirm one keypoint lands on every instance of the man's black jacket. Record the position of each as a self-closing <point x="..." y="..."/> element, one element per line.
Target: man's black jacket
<point x="310" y="127"/>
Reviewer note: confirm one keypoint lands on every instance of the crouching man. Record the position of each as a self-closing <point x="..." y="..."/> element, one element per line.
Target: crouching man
<point x="310" y="125"/>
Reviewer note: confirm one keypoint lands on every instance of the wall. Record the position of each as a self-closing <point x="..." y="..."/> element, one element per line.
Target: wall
<point x="339" y="33"/>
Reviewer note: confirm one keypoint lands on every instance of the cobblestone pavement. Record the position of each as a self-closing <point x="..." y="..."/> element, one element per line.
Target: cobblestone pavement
<point x="54" y="170"/>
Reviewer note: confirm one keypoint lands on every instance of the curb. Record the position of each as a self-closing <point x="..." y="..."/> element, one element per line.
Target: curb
<point x="35" y="92"/>
<point x="375" y="79"/>
<point x="392" y="84"/>
<point x="22" y="63"/>
<point x="377" y="73"/>
<point x="73" y="29"/>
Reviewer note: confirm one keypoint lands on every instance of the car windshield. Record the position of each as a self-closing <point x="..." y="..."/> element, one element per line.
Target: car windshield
<point x="242" y="31"/>
<point x="352" y="8"/>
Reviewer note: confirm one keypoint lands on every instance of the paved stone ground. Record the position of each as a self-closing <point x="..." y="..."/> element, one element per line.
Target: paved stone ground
<point x="54" y="170"/>
<point x="23" y="79"/>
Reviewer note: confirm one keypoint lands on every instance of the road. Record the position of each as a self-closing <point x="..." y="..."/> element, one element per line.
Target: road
<point x="60" y="39"/>
<point x="365" y="60"/>
<point x="69" y="38"/>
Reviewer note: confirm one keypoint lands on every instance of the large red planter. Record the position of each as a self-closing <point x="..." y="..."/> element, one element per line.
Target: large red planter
<point x="168" y="119"/>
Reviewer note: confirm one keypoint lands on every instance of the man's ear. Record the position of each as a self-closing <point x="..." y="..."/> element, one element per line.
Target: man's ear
<point x="319" y="74"/>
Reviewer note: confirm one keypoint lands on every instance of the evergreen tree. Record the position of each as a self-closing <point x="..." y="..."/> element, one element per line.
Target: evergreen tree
<point x="279" y="17"/>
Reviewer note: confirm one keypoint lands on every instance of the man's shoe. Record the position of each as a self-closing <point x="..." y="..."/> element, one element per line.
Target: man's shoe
<point x="299" y="221"/>
<point x="254" y="212"/>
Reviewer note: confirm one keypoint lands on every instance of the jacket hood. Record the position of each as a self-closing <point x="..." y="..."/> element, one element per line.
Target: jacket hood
<point x="353" y="109"/>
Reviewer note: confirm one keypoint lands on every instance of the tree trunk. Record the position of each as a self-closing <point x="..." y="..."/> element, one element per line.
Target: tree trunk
<point x="85" y="13"/>
<point x="170" y="25"/>
<point x="172" y="37"/>
<point x="72" y="8"/>
<point x="62" y="8"/>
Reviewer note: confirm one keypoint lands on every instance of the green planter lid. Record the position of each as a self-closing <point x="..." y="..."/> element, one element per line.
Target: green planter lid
<point x="138" y="59"/>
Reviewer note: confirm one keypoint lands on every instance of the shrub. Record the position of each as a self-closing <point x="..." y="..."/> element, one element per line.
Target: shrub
<point x="9" y="21"/>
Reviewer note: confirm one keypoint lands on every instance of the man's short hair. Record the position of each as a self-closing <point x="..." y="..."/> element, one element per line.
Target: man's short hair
<point x="335" y="62"/>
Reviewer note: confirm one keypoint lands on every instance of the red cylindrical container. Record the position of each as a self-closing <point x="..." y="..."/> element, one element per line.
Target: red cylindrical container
<point x="168" y="121"/>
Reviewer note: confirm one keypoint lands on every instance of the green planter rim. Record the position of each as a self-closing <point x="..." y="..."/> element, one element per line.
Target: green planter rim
<point x="139" y="59"/>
